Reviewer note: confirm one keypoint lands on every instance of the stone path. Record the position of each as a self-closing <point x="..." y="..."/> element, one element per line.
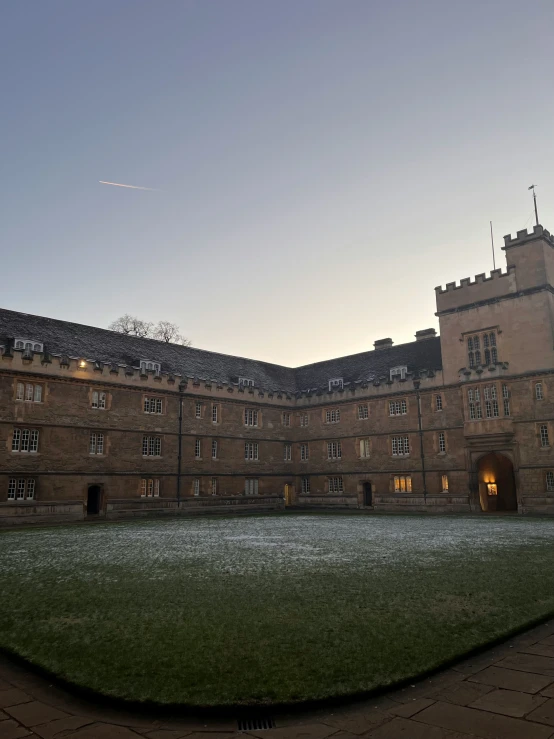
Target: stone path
<point x="505" y="693"/>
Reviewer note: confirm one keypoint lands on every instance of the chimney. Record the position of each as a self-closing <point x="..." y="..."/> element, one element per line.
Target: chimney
<point x="425" y="333"/>
<point x="382" y="344"/>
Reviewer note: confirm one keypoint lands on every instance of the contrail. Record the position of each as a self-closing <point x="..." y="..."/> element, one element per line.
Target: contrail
<point x="133" y="187"/>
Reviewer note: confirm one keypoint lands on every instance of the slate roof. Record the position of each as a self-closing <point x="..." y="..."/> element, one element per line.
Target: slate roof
<point x="88" y="342"/>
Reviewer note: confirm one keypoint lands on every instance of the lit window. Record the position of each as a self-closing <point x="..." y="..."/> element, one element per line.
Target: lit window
<point x="438" y="402"/>
<point x="544" y="435"/>
<point x="364" y="448"/>
<point x="250" y="417"/>
<point x="251" y="486"/>
<point x="442" y="442"/>
<point x="398" y="408"/>
<point x="304" y="419"/>
<point x="400" y="446"/>
<point x="29" y="392"/>
<point x="147" y="365"/>
<point x="286" y="419"/>
<point x="24" y="488"/>
<point x="550" y="481"/>
<point x="305" y="485"/>
<point x="214" y="413"/>
<point x="99" y="400"/>
<point x="304" y="452"/>
<point x="196" y="487"/>
<point x="198" y="449"/>
<point x="25" y="440"/>
<point x="336" y="383"/>
<point x="288" y="452"/>
<point x="335" y="485"/>
<point x="402" y="484"/>
<point x="150" y="487"/>
<point x="334" y="450"/>
<point x="251" y="450"/>
<point x="214" y="449"/>
<point x="363" y="412"/>
<point x="444" y="480"/>
<point x="332" y="416"/>
<point x="214" y="485"/>
<point x="151" y="446"/>
<point x="96" y="443"/>
<point x="152" y="405"/>
<point x="538" y="391"/>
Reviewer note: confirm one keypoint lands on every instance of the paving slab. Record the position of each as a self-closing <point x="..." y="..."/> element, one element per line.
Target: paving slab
<point x="509" y="703"/>
<point x="407" y="710"/>
<point x="53" y="729"/>
<point x="167" y="734"/>
<point x="13" y="697"/>
<point x="401" y="728"/>
<point x="549" y="691"/>
<point x="359" y="722"/>
<point x="463" y="693"/>
<point x="481" y="723"/>
<point x="307" y="731"/>
<point x="10" y="729"/>
<point x="502" y="677"/>
<point x="103" y="731"/>
<point x="529" y="663"/>
<point x="544" y="714"/>
<point x="35" y="713"/>
<point x="543" y="650"/>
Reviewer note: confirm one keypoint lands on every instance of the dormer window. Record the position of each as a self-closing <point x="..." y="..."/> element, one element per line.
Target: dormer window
<point x="146" y="365"/>
<point x="398" y="373"/>
<point x="246" y="382"/>
<point x="336" y="383"/>
<point x="28" y="345"/>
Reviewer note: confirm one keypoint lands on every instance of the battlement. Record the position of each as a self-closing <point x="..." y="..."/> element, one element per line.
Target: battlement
<point x="483" y="287"/>
<point x="524" y="236"/>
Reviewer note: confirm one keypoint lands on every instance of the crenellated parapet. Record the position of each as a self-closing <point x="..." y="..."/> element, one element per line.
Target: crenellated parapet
<point x="482" y="289"/>
<point x="524" y="237"/>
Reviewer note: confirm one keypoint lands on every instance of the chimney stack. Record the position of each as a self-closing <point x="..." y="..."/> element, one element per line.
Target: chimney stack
<point x="425" y="333"/>
<point x="382" y="344"/>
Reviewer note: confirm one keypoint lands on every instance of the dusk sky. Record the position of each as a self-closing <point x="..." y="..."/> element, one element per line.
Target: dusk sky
<point x="317" y="166"/>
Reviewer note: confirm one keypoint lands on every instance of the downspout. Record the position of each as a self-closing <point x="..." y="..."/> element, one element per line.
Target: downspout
<point x="420" y="427"/>
<point x="182" y="386"/>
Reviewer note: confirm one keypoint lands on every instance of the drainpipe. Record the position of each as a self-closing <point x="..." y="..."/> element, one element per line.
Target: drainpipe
<point x="182" y="386"/>
<point x="420" y="427"/>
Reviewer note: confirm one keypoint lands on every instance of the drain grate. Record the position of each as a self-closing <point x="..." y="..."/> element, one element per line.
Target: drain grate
<point x="256" y="722"/>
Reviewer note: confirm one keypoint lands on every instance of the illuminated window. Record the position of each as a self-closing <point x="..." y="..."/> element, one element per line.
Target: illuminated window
<point x="550" y="481"/>
<point x="538" y="391"/>
<point x="364" y="448"/>
<point x="402" y="484"/>
<point x="304" y="452"/>
<point x="334" y="450"/>
<point x="250" y="417"/>
<point x="287" y="452"/>
<point x="151" y="446"/>
<point x="251" y="450"/>
<point x="251" y="486"/>
<point x="444" y="482"/>
<point x="151" y="405"/>
<point x="149" y="487"/>
<point x="400" y="446"/>
<point x="363" y="412"/>
<point x="99" y="400"/>
<point x="442" y="442"/>
<point x="96" y="443"/>
<point x="305" y="485"/>
<point x="29" y="392"/>
<point x="335" y="485"/>
<point x="544" y="435"/>
<point x="332" y="416"/>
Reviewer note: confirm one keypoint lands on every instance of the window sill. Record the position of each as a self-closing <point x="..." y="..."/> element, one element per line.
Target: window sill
<point x="151" y="456"/>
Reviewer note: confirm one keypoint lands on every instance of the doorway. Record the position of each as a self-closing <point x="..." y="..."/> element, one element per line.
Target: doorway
<point x="368" y="494"/>
<point x="94" y="500"/>
<point x="497" y="485"/>
<point x="288" y="494"/>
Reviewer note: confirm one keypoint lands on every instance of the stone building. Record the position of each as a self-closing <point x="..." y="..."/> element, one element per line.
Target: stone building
<point x="95" y="423"/>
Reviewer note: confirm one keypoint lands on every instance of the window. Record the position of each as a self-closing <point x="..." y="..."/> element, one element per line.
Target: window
<point x="363" y="412"/>
<point x="29" y="392"/>
<point x="251" y="486"/>
<point x="550" y="481"/>
<point x="332" y="416"/>
<point x="196" y="487"/>
<point x="304" y="452"/>
<point x="246" y="382"/>
<point x="214" y="449"/>
<point x="151" y="405"/>
<point x="398" y="408"/>
<point x="149" y="487"/>
<point x="214" y="485"/>
<point x="538" y="391"/>
<point x="398" y="373"/>
<point x="335" y="485"/>
<point x="99" y="400"/>
<point x="25" y="440"/>
<point x="198" y="410"/>
<point x="364" y="448"/>
<point x="146" y="365"/>
<point x="489" y="348"/>
<point x="96" y="443"/>
<point x="400" y="446"/>
<point x="250" y="417"/>
<point x="286" y="419"/>
<point x="24" y="487"/>
<point x="402" y="484"/>
<point x="198" y="449"/>
<point x="491" y="401"/>
<point x="506" y="399"/>
<point x="438" y="402"/>
<point x="288" y="452"/>
<point x="304" y="419"/>
<point x="305" y="485"/>
<point x="442" y="442"/>
<point x="336" y="383"/>
<point x="334" y="450"/>
<point x="214" y="413"/>
<point x="251" y="450"/>
<point x="544" y="435"/>
<point x="28" y="344"/>
<point x="151" y="446"/>
<point x="474" y="403"/>
<point x="444" y="483"/>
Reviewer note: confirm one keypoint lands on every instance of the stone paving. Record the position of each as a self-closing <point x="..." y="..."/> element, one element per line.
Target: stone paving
<point x="505" y="693"/>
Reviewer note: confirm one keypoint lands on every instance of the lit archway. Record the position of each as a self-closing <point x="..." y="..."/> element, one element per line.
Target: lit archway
<point x="497" y="487"/>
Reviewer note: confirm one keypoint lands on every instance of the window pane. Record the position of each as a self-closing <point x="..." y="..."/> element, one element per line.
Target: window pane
<point x="20" y="394"/>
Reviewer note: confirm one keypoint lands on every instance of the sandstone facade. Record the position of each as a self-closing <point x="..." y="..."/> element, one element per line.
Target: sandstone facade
<point x="94" y="423"/>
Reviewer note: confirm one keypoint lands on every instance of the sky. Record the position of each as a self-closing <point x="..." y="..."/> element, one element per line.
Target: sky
<point x="317" y="166"/>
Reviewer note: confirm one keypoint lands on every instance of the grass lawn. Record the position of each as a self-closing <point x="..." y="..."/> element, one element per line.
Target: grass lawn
<point x="276" y="608"/>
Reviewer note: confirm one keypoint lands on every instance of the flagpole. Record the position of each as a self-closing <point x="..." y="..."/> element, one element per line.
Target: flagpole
<point x="492" y="245"/>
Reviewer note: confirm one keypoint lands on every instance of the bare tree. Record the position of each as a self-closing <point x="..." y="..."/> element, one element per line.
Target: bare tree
<point x="169" y="332"/>
<point x="163" y="331"/>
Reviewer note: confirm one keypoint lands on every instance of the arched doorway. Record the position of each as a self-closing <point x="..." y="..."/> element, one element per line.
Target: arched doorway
<point x="368" y="494"/>
<point x="497" y="486"/>
<point x="94" y="499"/>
